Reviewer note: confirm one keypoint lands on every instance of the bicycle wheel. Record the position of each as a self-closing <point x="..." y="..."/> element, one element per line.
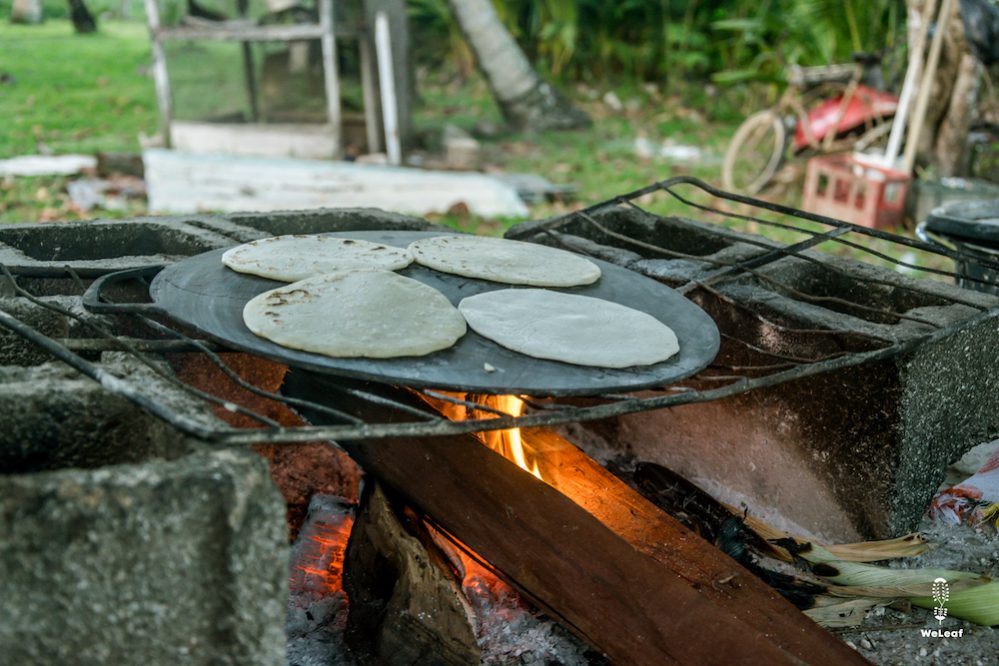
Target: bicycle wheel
<point x="755" y="153"/>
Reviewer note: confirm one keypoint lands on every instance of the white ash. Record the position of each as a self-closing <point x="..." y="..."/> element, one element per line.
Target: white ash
<point x="315" y="630"/>
<point x="511" y="634"/>
<point x="508" y="629"/>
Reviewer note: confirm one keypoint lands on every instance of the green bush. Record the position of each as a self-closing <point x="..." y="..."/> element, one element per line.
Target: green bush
<point x="659" y="40"/>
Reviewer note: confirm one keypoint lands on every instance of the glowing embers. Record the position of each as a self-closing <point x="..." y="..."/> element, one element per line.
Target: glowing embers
<point x="319" y="565"/>
<point x="317" y="601"/>
<point x="319" y="552"/>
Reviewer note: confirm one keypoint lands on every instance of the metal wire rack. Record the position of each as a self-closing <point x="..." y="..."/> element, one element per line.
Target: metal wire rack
<point x="727" y="376"/>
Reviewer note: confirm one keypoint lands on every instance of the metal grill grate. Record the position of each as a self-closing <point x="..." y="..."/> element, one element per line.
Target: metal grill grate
<point x="743" y="364"/>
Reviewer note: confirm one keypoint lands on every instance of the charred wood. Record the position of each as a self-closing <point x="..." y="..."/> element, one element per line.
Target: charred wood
<point x="403" y="607"/>
<point x="317" y="604"/>
<point x="699" y="512"/>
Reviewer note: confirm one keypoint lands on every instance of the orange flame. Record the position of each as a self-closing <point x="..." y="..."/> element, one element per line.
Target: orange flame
<point x="508" y="443"/>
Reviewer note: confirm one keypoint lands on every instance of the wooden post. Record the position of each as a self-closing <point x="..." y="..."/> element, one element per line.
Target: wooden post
<point x="395" y="10"/>
<point x="369" y="86"/>
<point x="386" y="82"/>
<point x="923" y="98"/>
<point x="251" y="81"/>
<point x="161" y="78"/>
<point x="911" y="76"/>
<point x="330" y="76"/>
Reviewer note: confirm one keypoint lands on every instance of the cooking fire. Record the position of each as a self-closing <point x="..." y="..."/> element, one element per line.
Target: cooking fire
<point x="508" y="443"/>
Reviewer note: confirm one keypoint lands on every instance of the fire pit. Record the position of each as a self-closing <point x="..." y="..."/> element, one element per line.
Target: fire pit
<point x="830" y="407"/>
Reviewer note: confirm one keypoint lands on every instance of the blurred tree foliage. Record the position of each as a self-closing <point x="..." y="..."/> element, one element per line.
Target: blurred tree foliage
<point x="672" y="40"/>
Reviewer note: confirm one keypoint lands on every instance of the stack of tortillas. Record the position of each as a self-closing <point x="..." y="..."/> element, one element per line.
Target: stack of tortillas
<point x="345" y="301"/>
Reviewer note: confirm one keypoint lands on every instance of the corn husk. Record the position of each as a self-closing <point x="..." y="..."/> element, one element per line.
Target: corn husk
<point x="991" y="513"/>
<point x="832" y="612"/>
<point x="973" y="597"/>
<point x="882" y="581"/>
<point x="979" y="604"/>
<point x="908" y="545"/>
<point x="900" y="589"/>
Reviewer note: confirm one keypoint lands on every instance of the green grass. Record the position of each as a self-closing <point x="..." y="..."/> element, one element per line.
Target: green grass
<point x="44" y="199"/>
<point x="601" y="160"/>
<point x="75" y="93"/>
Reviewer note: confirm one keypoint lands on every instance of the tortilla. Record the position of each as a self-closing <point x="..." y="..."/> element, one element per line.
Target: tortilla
<point x="293" y="258"/>
<point x="500" y="260"/>
<point x="566" y="327"/>
<point x="371" y="314"/>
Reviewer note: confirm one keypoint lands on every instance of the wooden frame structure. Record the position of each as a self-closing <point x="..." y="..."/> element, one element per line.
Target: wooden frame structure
<point x="246" y="31"/>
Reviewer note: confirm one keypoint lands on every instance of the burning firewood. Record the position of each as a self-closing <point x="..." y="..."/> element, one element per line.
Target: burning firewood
<point x="317" y="603"/>
<point x="586" y="549"/>
<point x="403" y="607"/>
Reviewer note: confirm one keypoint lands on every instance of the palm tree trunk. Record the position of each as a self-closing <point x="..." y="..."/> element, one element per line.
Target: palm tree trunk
<point x="527" y="102"/>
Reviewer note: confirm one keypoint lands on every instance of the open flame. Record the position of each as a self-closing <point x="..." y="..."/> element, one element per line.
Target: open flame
<point x="508" y="443"/>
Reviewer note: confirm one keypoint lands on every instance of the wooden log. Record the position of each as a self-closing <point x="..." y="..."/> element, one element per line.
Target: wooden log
<point x="317" y="605"/>
<point x="403" y="608"/>
<point x="623" y="575"/>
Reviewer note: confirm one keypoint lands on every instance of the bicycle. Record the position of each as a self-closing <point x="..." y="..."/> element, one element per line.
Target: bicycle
<point x="829" y="108"/>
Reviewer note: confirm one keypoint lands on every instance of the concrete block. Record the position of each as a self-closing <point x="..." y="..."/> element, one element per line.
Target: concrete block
<point x="15" y="350"/>
<point x="123" y="541"/>
<point x="164" y="563"/>
<point x="94" y="247"/>
<point x="51" y="418"/>
<point x="322" y="220"/>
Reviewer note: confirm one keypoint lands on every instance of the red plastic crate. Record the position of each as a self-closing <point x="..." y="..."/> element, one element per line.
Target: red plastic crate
<point x="847" y="189"/>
